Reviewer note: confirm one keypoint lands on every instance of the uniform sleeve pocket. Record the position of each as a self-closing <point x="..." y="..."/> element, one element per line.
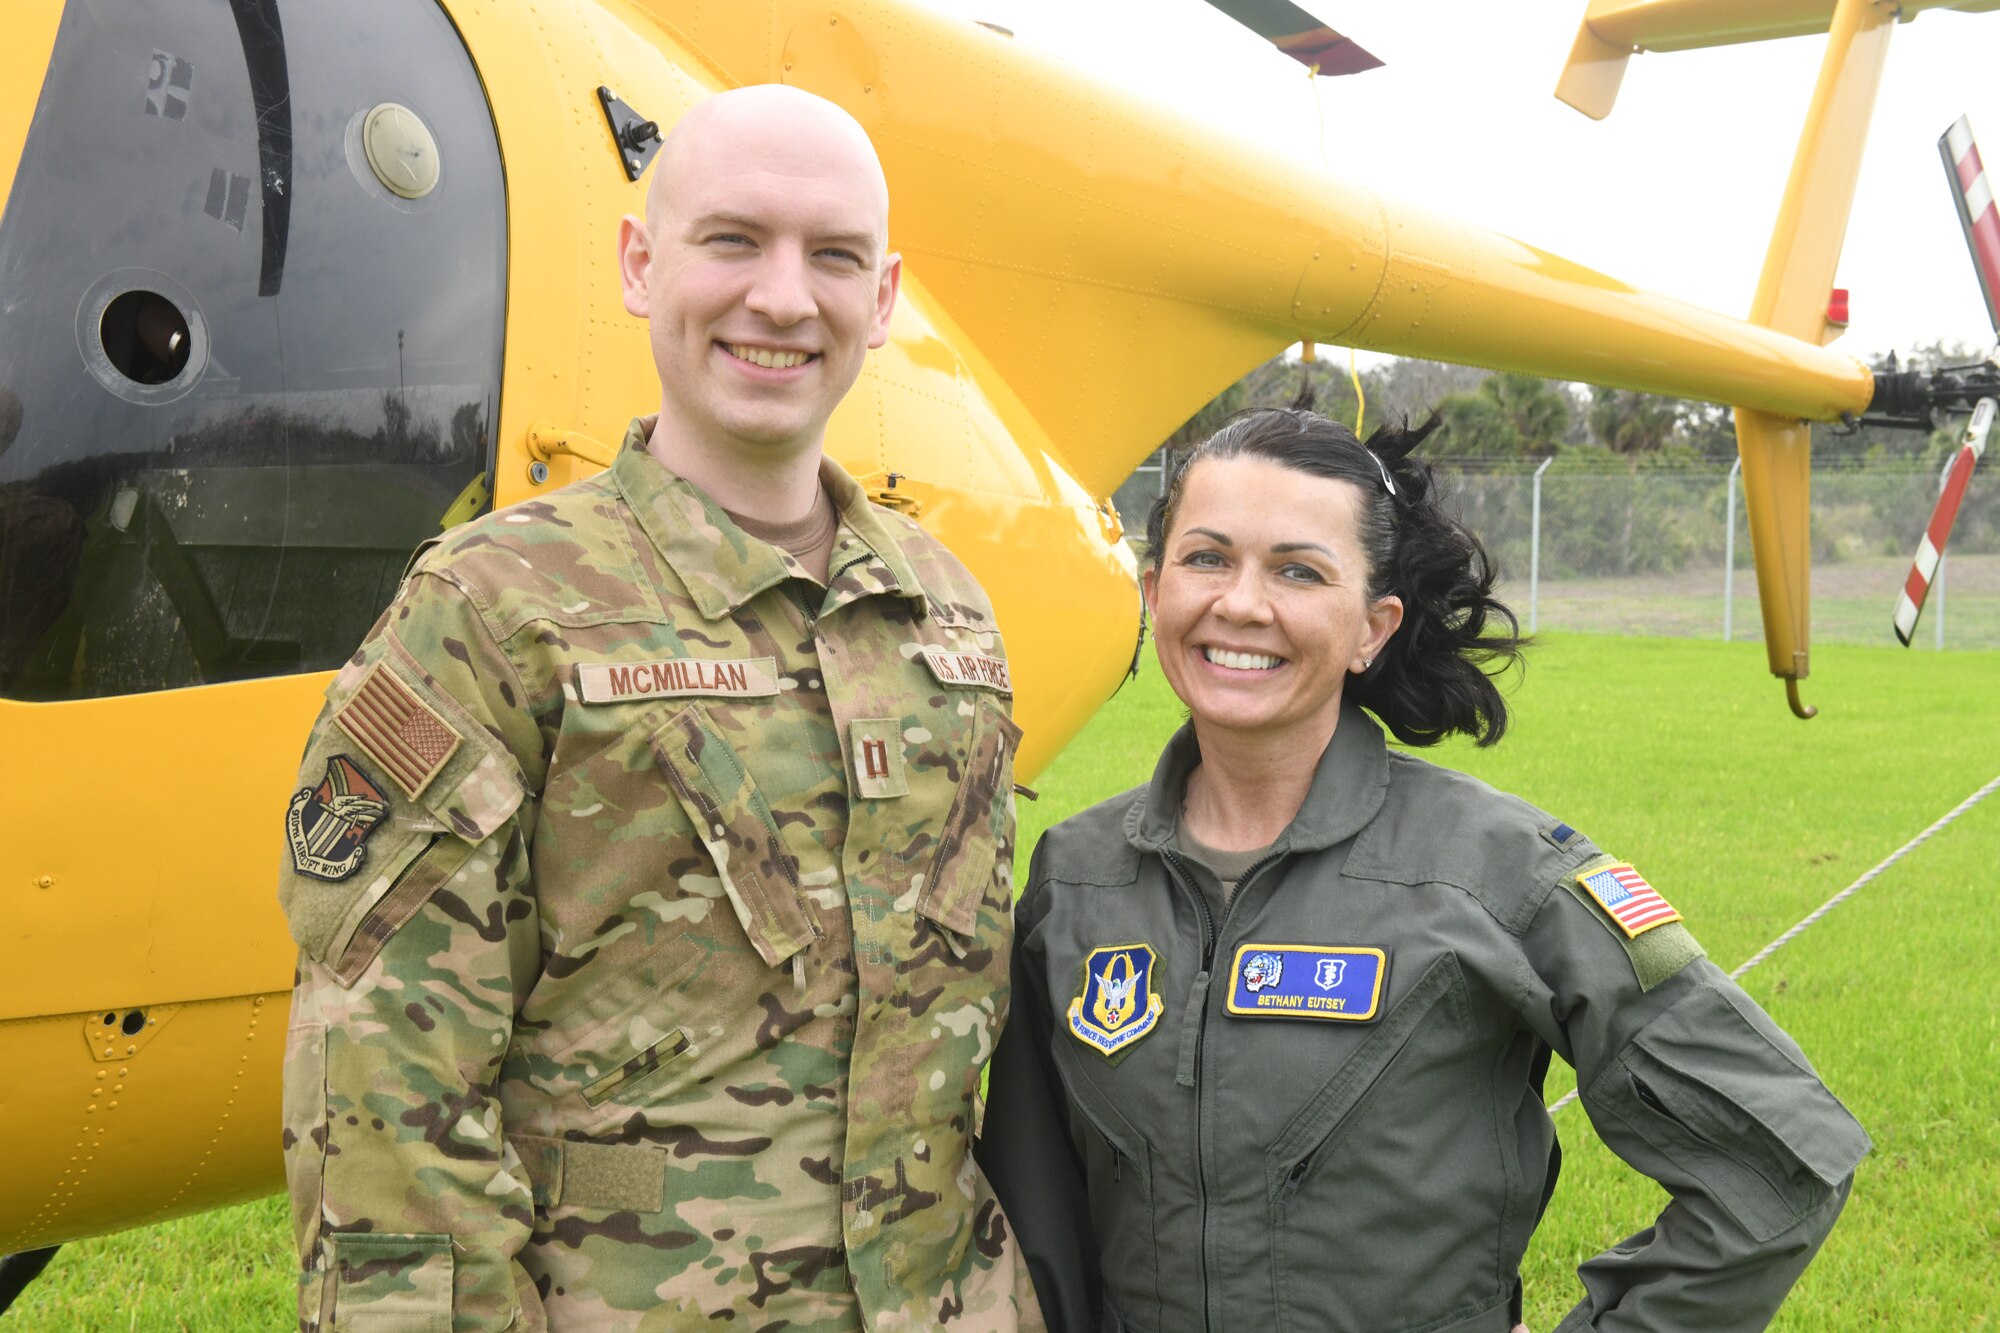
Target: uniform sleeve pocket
<point x="734" y="822"/>
<point x="391" y="1283"/>
<point x="968" y="845"/>
<point x="1717" y="1086"/>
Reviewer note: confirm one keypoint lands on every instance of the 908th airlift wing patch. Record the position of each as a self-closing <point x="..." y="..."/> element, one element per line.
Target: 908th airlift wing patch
<point x="328" y="825"/>
<point x="399" y="731"/>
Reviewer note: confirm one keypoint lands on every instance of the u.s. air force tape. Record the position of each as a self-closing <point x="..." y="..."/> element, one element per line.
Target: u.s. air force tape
<point x="969" y="669"/>
<point x="616" y="682"/>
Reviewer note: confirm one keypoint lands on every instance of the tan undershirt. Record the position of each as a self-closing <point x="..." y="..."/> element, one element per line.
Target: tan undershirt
<point x="1227" y="867"/>
<point x="808" y="540"/>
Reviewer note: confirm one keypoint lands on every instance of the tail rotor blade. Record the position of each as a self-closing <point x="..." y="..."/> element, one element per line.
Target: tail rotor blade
<point x="1972" y="191"/>
<point x="1930" y="548"/>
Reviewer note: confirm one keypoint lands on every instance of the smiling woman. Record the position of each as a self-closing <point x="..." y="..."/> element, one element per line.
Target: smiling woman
<point x="1284" y="524"/>
<point x="1289" y="1006"/>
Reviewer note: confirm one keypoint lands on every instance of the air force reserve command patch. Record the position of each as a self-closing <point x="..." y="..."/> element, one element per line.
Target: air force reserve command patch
<point x="328" y="825"/>
<point x="1118" y="1004"/>
<point x="1332" y="981"/>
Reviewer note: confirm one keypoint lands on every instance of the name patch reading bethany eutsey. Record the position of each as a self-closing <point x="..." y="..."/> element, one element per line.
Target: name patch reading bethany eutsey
<point x="969" y="669"/>
<point x="616" y="682"/>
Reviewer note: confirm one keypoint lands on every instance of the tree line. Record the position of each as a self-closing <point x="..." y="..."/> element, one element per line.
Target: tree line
<point x="1499" y="417"/>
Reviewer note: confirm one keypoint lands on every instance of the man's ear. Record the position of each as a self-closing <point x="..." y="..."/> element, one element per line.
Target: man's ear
<point x="635" y="261"/>
<point x="885" y="299"/>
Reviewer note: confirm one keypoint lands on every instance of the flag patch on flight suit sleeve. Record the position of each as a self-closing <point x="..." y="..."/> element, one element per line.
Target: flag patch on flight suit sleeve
<point x="1644" y="924"/>
<point x="397" y="729"/>
<point x="1307" y="981"/>
<point x="1118" y="1004"/>
<point x="1623" y="892"/>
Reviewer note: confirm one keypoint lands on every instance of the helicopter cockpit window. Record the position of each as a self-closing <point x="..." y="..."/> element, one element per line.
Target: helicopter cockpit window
<point x="252" y="280"/>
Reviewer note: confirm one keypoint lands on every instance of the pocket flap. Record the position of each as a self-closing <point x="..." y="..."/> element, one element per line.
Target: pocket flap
<point x="1711" y="1041"/>
<point x="385" y="1282"/>
<point x="1327" y="1110"/>
<point x="734" y="823"/>
<point x="968" y="842"/>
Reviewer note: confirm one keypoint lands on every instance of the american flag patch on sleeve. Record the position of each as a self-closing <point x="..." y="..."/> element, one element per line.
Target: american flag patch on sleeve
<point x="1623" y="892"/>
<point x="401" y="732"/>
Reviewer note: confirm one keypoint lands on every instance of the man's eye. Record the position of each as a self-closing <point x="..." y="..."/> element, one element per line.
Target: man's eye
<point x="843" y="256"/>
<point x="729" y="238"/>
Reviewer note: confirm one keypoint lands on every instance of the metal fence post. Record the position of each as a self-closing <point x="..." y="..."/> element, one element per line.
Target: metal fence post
<point x="1535" y="550"/>
<point x="1729" y="555"/>
<point x="1937" y="584"/>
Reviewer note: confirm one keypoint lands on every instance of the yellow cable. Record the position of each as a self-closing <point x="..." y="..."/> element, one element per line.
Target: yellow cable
<point x="1360" y="398"/>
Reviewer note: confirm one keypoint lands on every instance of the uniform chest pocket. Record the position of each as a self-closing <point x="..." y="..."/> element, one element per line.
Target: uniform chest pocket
<point x="734" y="822"/>
<point x="1118" y="1171"/>
<point x="611" y="1041"/>
<point x="961" y="878"/>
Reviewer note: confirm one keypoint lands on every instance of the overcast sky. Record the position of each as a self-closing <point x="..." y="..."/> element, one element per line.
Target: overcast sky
<point x="1675" y="191"/>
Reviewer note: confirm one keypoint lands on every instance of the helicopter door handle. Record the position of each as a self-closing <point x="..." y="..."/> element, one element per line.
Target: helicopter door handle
<point x="546" y="441"/>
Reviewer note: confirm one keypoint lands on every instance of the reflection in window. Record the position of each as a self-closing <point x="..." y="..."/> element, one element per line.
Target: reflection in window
<point x="240" y="379"/>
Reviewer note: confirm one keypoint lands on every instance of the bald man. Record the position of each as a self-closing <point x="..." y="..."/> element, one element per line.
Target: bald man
<point x="650" y="863"/>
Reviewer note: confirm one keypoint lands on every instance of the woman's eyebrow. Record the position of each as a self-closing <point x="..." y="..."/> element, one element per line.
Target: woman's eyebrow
<point x="1285" y="548"/>
<point x="1212" y="535"/>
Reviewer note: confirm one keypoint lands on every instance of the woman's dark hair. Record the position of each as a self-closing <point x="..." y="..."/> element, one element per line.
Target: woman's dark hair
<point x="1435" y="675"/>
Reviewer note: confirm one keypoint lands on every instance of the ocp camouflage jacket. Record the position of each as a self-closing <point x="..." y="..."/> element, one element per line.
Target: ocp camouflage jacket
<point x="653" y="911"/>
<point x="1323" y="1111"/>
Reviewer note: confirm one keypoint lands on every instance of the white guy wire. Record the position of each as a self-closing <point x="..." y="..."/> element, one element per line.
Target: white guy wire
<point x="1838" y="899"/>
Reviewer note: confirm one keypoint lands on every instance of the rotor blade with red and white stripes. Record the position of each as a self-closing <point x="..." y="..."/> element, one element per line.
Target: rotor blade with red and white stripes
<point x="1910" y="602"/>
<point x="1972" y="191"/>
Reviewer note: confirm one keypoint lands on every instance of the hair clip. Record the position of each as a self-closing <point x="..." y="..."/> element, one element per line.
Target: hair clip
<point x="1381" y="467"/>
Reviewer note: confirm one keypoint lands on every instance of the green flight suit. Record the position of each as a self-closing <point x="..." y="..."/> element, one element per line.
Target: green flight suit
<point x="653" y="904"/>
<point x="1323" y="1111"/>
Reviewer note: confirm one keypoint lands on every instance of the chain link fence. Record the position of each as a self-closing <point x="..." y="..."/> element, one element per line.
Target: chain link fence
<point x="1664" y="549"/>
<point x="1622" y="547"/>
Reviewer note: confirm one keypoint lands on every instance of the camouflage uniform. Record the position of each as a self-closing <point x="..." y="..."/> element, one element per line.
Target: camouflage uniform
<point x="654" y="914"/>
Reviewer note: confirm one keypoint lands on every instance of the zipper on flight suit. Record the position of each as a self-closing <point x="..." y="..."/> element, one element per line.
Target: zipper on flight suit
<point x="1210" y="929"/>
<point x="1292" y="1179"/>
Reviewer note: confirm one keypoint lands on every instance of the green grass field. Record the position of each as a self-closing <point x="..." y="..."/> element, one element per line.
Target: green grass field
<point x="1680" y="756"/>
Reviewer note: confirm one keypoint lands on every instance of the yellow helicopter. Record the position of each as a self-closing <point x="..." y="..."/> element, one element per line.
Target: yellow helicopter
<point x="285" y="288"/>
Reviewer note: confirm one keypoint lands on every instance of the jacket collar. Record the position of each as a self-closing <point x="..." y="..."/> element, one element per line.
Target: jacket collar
<point x="1348" y="788"/>
<point x="721" y="566"/>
